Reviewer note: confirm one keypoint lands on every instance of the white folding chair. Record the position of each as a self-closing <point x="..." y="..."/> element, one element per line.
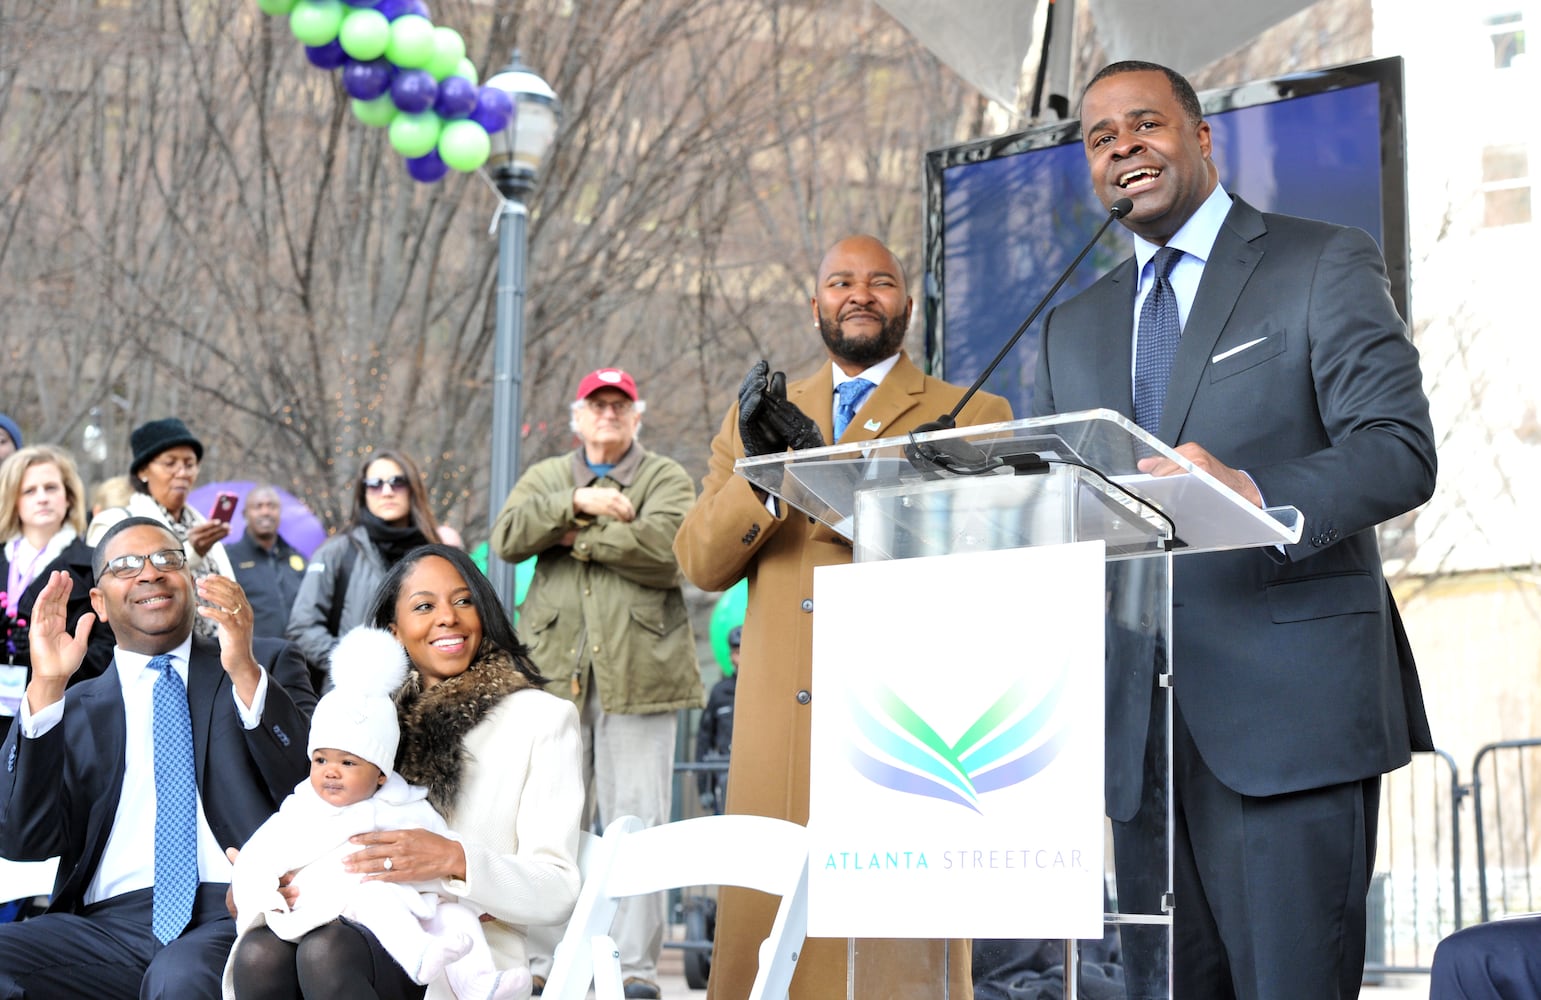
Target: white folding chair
<point x="754" y="852"/>
<point x="27" y="879"/>
<point x="594" y="855"/>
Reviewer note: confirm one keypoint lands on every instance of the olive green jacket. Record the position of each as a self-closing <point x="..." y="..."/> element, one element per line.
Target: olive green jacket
<point x="612" y="601"/>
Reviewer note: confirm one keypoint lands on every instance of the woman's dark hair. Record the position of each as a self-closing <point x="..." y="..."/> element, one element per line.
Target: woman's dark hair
<point x="420" y="512"/>
<point x="497" y="631"/>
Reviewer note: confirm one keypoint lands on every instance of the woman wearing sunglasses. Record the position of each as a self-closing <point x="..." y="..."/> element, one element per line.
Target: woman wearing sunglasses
<point x="390" y="518"/>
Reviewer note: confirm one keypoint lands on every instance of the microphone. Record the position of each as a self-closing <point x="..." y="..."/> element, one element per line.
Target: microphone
<point x="960" y="456"/>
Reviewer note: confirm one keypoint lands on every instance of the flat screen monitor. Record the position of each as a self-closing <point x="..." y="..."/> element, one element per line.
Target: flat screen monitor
<point x="1006" y="215"/>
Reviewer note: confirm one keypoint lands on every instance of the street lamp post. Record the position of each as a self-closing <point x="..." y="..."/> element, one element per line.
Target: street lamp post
<point x="514" y="165"/>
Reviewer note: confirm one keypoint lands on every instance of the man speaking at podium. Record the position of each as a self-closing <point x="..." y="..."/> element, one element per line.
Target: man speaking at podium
<point x="868" y="390"/>
<point x="1267" y="350"/>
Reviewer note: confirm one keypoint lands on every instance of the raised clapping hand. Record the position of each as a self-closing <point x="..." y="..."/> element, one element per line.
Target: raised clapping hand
<point x="56" y="654"/>
<point x="406" y="856"/>
<point x="758" y="438"/>
<point x="231" y="612"/>
<point x="1239" y="482"/>
<point x="767" y="421"/>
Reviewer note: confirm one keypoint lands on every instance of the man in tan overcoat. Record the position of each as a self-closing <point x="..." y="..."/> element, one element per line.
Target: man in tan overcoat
<point x="862" y="310"/>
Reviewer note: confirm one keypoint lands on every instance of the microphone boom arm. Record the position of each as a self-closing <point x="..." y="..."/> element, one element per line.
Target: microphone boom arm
<point x="947" y="421"/>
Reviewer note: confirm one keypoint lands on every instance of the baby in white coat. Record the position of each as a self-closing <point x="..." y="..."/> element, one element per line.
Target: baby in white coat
<point x="354" y="789"/>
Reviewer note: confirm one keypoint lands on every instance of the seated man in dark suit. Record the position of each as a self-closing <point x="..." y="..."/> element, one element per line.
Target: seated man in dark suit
<point x="1494" y="961"/>
<point x="140" y="779"/>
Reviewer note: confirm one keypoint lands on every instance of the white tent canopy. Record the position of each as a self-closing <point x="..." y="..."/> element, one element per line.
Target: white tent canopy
<point x="993" y="43"/>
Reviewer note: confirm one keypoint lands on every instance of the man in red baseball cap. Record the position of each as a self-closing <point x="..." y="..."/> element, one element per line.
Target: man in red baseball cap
<point x="608" y="378"/>
<point x="606" y="621"/>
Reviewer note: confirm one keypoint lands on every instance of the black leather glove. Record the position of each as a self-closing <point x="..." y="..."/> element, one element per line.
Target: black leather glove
<point x="757" y="435"/>
<point x="791" y="424"/>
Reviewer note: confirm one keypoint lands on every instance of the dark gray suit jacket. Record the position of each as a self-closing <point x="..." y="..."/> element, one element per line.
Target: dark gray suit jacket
<point x="59" y="792"/>
<point x="1292" y="670"/>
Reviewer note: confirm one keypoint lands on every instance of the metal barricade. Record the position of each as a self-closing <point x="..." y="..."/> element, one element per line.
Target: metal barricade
<point x="1415" y="891"/>
<point x="693" y="912"/>
<point x="1503" y="776"/>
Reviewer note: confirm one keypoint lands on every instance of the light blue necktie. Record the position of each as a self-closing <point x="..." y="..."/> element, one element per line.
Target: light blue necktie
<point x="176" y="806"/>
<point x="851" y="395"/>
<point x="1156" y="343"/>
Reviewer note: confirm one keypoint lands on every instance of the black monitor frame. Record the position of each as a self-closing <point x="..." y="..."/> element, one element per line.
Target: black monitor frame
<point x="1386" y="73"/>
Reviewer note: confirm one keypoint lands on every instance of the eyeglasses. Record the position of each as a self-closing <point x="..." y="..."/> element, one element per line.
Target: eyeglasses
<point x="129" y="566"/>
<point x="375" y="484"/>
<point x="619" y="407"/>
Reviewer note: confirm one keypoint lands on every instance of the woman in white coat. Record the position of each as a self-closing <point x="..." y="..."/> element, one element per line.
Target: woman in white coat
<point x="500" y="760"/>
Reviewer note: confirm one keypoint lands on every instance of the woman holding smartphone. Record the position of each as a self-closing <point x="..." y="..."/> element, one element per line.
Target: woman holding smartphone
<point x="391" y="517"/>
<point x="163" y="472"/>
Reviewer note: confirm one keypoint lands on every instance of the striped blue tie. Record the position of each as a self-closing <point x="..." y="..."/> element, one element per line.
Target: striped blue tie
<point x="1156" y="345"/>
<point x="852" y="394"/>
<point x="176" y="806"/>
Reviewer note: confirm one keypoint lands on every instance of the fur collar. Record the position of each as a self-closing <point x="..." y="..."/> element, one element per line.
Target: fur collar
<point x="434" y="723"/>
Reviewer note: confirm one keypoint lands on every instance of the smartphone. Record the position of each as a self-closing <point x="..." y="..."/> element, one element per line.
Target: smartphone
<point x="224" y="507"/>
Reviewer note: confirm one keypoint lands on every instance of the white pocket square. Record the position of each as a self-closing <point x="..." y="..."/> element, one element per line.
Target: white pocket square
<point x="1235" y="350"/>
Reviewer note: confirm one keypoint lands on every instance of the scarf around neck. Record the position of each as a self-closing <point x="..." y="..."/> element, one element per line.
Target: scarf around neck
<point x="435" y="721"/>
<point x="393" y="541"/>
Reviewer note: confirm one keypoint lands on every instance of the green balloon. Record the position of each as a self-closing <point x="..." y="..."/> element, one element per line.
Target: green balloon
<point x="468" y="70"/>
<point x="364" y="34"/>
<point x="378" y="112"/>
<point x="448" y="49"/>
<point x="315" y="22"/>
<point x="415" y="135"/>
<point x="524" y="572"/>
<point x="276" y="8"/>
<point x="411" y="44"/>
<point x="464" y="145"/>
<point x="728" y="614"/>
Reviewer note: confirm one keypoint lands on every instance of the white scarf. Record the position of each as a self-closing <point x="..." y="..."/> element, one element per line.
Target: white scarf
<point x="27" y="562"/>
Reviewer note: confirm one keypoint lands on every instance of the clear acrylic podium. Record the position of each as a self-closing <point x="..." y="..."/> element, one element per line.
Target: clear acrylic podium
<point x="1044" y="482"/>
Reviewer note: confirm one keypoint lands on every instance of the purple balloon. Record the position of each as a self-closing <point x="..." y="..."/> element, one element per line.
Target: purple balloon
<point x="428" y="167"/>
<point x="392" y="9"/>
<point x="418" y="7"/>
<point x="413" y="90"/>
<point x="328" y="56"/>
<point x="298" y="525"/>
<point x="493" y="109"/>
<point x="367" y="80"/>
<point x="457" y="98"/>
<point x="360" y="3"/>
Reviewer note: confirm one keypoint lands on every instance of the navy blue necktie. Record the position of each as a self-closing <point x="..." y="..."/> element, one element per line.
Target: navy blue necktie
<point x="852" y="394"/>
<point x="176" y="806"/>
<point x="1156" y="343"/>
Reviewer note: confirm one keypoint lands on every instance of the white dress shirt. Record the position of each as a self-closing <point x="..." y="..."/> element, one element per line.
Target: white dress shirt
<point x="875" y="375"/>
<point x="128" y="861"/>
<point x="1196" y="239"/>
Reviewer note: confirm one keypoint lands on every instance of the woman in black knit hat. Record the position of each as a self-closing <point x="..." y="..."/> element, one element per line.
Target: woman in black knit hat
<point x="163" y="472"/>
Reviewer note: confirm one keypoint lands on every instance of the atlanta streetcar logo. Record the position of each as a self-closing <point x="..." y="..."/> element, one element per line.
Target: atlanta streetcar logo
<point x="892" y="745"/>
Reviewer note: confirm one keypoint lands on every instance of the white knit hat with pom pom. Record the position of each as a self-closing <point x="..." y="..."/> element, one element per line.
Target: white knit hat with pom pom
<point x="358" y="716"/>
